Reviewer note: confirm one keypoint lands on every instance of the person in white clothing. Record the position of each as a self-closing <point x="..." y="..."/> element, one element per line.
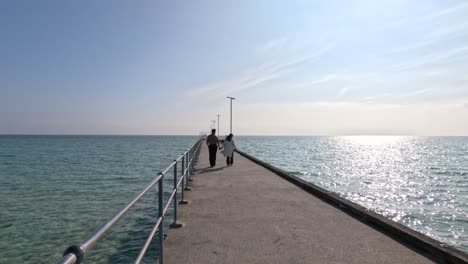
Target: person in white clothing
<point x="229" y="148"/>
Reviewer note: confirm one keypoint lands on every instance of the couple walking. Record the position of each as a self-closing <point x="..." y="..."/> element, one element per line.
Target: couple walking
<point x="213" y="145"/>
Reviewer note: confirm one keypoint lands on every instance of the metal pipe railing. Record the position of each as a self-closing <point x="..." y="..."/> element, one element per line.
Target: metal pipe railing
<point x="186" y="171"/>
<point x="182" y="200"/>
<point x="175" y="193"/>
<point x="161" y="225"/>
<point x="69" y="258"/>
<point x="148" y="241"/>
<point x="76" y="253"/>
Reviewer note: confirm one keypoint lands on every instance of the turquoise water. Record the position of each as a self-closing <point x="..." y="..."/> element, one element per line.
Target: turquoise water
<point x="420" y="182"/>
<point x="54" y="190"/>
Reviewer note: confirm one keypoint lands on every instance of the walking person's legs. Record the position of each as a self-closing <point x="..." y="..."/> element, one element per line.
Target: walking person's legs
<point x="212" y="149"/>
<point x="215" y="150"/>
<point x="227" y="161"/>
<point x="210" y="154"/>
<point x="232" y="158"/>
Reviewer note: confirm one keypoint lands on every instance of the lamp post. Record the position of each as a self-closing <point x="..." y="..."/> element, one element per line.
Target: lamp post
<point x="231" y="98"/>
<point x="218" y="125"/>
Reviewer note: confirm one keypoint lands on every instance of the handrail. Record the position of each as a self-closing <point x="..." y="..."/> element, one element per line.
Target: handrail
<point x="76" y="253"/>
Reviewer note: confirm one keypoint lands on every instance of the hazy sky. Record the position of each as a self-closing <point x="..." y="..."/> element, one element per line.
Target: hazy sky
<point x="295" y="67"/>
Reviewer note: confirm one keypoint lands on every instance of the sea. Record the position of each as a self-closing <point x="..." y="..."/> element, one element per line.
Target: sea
<point x="54" y="190"/>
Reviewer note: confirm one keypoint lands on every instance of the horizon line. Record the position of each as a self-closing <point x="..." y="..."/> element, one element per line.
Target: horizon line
<point x="242" y="135"/>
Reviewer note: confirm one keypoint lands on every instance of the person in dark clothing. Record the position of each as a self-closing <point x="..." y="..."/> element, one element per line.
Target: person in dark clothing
<point x="213" y="145"/>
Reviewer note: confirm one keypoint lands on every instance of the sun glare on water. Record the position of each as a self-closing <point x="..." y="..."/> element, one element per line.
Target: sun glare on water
<point x="374" y="140"/>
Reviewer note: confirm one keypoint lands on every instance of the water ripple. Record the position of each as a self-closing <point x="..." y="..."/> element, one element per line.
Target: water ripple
<point x="55" y="190"/>
<point x="420" y="182"/>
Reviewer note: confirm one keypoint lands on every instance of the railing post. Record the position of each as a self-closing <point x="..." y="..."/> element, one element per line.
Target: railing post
<point x="189" y="176"/>
<point x="189" y="157"/>
<point x="182" y="200"/>
<point x="161" y="226"/>
<point x="187" y="170"/>
<point x="175" y="224"/>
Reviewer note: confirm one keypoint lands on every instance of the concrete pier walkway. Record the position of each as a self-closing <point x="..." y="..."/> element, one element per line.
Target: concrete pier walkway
<point x="248" y="214"/>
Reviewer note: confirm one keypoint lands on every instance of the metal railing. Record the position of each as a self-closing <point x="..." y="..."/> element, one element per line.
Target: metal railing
<point x="76" y="253"/>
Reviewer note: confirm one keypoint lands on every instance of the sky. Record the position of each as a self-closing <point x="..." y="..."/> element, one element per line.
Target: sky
<point x="295" y="67"/>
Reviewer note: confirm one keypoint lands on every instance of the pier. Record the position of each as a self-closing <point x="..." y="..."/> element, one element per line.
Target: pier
<point x="254" y="212"/>
<point x="247" y="213"/>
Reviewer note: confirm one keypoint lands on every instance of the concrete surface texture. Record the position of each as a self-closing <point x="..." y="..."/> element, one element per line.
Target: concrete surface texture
<point x="247" y="214"/>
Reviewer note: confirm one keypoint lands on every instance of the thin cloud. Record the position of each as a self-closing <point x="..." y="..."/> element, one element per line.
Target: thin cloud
<point x="440" y="14"/>
<point x="413" y="46"/>
<point x="449" y="32"/>
<point x="366" y="117"/>
<point x="343" y="91"/>
<point x="445" y="56"/>
<point x="402" y="96"/>
<point x="273" y="46"/>
<point x="321" y="80"/>
<point x="255" y="76"/>
<point x="324" y="79"/>
<point x="417" y="93"/>
<point x="245" y="80"/>
<point x="446" y="11"/>
<point x="435" y="37"/>
<point x="438" y="30"/>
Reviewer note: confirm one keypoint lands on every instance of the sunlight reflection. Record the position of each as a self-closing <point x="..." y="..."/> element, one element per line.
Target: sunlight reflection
<point x="374" y="140"/>
<point x="419" y="182"/>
